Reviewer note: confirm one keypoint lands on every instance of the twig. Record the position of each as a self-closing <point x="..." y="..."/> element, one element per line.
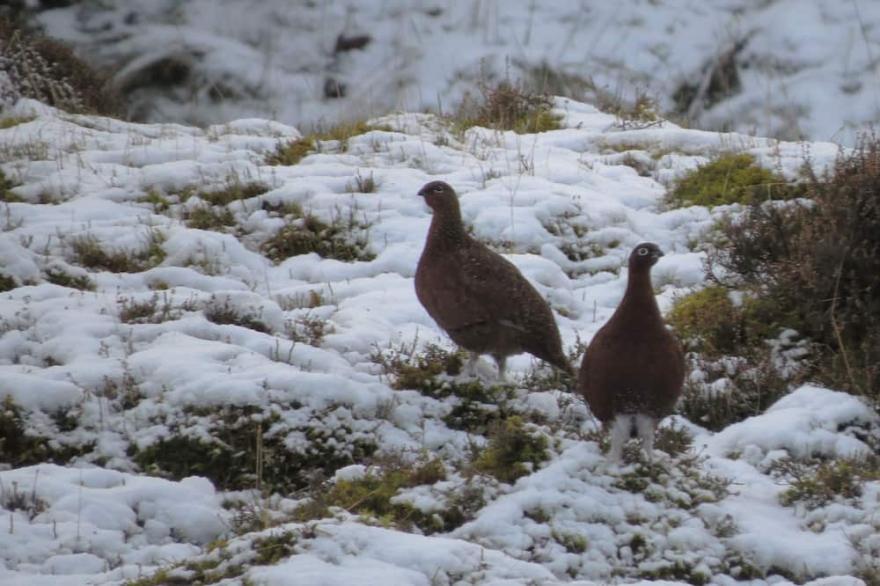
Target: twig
<point x="836" y="326"/>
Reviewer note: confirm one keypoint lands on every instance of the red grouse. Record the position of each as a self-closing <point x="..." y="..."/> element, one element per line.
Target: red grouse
<point x="479" y="298"/>
<point x="633" y="370"/>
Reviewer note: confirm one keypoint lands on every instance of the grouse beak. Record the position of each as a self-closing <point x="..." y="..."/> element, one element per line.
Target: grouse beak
<point x="657" y="254"/>
<point x="421" y="193"/>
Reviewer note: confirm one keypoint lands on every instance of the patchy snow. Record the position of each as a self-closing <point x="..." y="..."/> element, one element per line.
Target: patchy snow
<point x="803" y="68"/>
<point x="109" y="368"/>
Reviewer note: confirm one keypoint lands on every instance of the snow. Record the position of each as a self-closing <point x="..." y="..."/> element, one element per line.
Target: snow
<point x="803" y="68"/>
<point x="67" y="353"/>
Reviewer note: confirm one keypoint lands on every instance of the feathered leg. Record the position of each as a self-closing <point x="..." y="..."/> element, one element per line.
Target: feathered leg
<point x="620" y="432"/>
<point x="645" y="426"/>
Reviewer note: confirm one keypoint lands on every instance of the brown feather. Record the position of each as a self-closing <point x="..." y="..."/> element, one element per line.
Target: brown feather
<point x="633" y="365"/>
<point x="478" y="297"/>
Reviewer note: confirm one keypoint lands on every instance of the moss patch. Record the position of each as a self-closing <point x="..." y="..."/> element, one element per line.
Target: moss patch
<point x="729" y="178"/>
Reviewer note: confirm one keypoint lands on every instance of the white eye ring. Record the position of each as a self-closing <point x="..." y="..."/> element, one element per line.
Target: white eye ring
<point x="643" y="251"/>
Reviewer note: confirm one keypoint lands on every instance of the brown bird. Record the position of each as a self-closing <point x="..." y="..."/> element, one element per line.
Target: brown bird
<point x="633" y="370"/>
<point x="479" y="298"/>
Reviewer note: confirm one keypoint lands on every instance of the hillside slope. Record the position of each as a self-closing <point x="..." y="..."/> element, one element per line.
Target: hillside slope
<point x="197" y="375"/>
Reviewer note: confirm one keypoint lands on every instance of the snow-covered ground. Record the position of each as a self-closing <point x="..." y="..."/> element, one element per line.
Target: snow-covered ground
<point x="801" y="68"/>
<point x="103" y="373"/>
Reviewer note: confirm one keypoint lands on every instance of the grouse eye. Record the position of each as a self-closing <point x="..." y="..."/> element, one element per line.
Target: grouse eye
<point x="438" y="189"/>
<point x="643" y="251"/>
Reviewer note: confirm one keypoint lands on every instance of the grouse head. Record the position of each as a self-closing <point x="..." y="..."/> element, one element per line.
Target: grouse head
<point x="644" y="256"/>
<point x="439" y="195"/>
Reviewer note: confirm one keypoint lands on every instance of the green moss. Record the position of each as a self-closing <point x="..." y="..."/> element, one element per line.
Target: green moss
<point x="344" y="238"/>
<point x="293" y="152"/>
<point x="508" y="107"/>
<point x="513" y="451"/>
<point x="729" y="178"/>
<point x="89" y="253"/>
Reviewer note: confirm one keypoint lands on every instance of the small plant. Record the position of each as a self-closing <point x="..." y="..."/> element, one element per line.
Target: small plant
<point x="154" y="310"/>
<point x="58" y="276"/>
<point x="209" y="218"/>
<point x="159" y="202"/>
<point x="91" y="254"/>
<point x="43" y="69"/>
<point x="309" y="329"/>
<point x="729" y="178"/>
<point x="344" y="238"/>
<point x="816" y="483"/>
<point x="6" y="186"/>
<point x="13" y="121"/>
<point x="7" y="283"/>
<point x="507" y="107"/>
<point x="513" y="451"/>
<point x="334" y="137"/>
<point x="234" y="191"/>
<point x="20" y="446"/>
<point x="225" y="313"/>
<point x="372" y="494"/>
<point x="419" y="371"/>
<point x="711" y="324"/>
<point x="273" y="548"/>
<point x="14" y="499"/>
<point x="240" y="448"/>
<point x="816" y="266"/>
<point x="363" y="184"/>
<point x="572" y="542"/>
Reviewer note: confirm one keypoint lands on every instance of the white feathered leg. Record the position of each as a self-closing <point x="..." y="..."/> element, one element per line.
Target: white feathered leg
<point x="645" y="426"/>
<point x="620" y="430"/>
<point x="470" y="368"/>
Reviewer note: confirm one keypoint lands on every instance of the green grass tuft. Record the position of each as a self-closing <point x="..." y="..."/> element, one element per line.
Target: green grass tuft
<point x="730" y="178"/>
